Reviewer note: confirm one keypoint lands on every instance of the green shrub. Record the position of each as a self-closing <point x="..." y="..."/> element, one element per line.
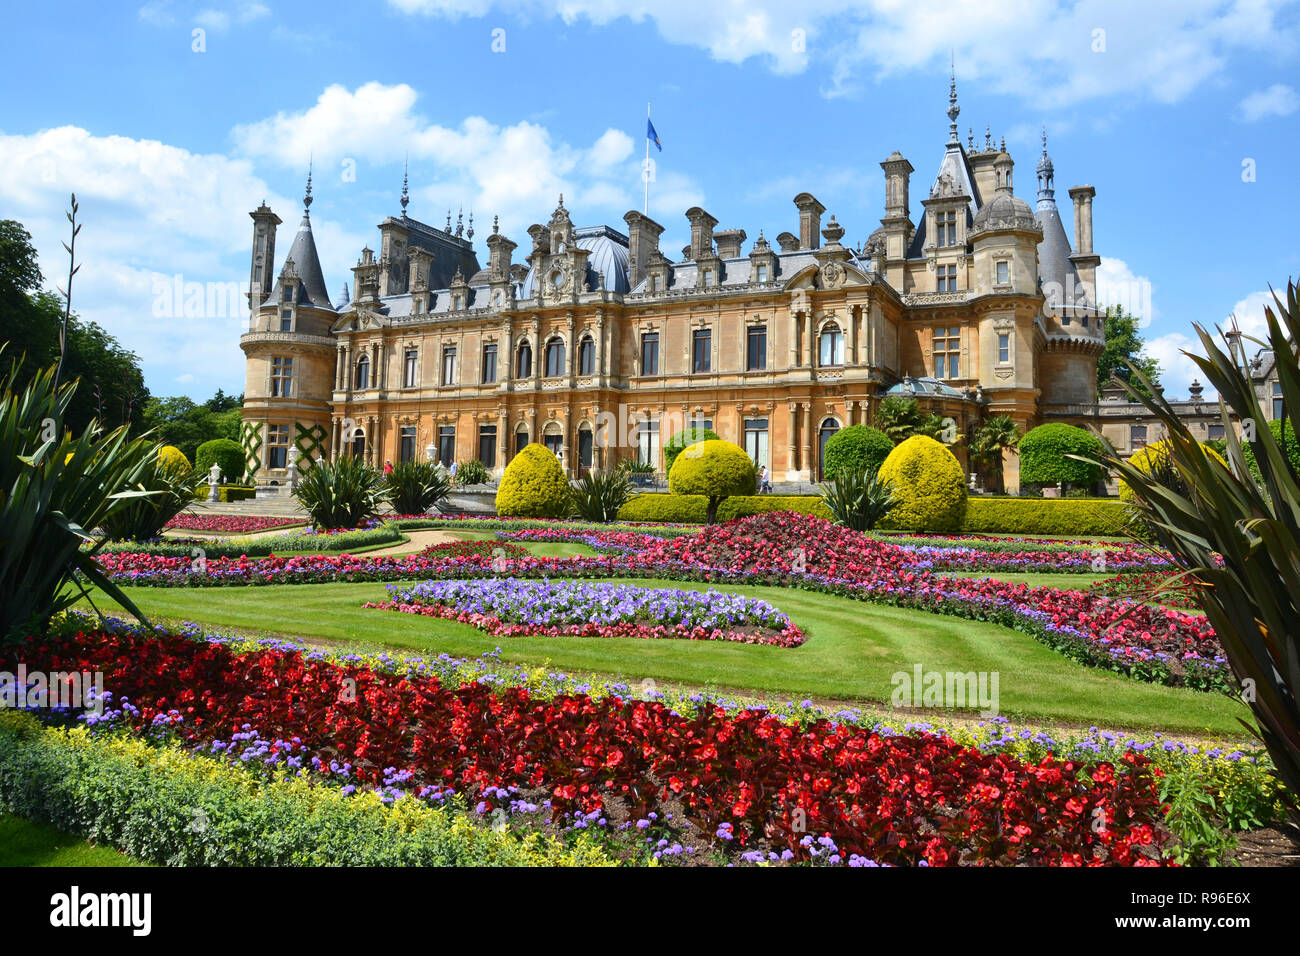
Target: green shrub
<point x="472" y="472"/>
<point x="1045" y="451"/>
<point x="693" y="509"/>
<point x="687" y="436"/>
<point x="858" y="499"/>
<point x="928" y="484"/>
<point x="1284" y="434"/>
<point x="413" y="487"/>
<point x="714" y="468"/>
<point x="166" y="487"/>
<point x="534" y="485"/>
<point x="1156" y="461"/>
<point x="145" y="801"/>
<point x="857" y="448"/>
<point x="290" y="542"/>
<point x="226" y="454"/>
<point x="342" y="493"/>
<point x="173" y="460"/>
<point x="1078" y="517"/>
<point x="598" y="495"/>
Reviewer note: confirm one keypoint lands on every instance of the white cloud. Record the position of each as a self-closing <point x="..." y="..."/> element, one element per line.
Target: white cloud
<point x="157" y="12"/>
<point x="1278" y="100"/>
<point x="1117" y="284"/>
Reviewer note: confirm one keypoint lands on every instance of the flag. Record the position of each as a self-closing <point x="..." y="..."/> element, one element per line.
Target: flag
<point x="652" y="135"/>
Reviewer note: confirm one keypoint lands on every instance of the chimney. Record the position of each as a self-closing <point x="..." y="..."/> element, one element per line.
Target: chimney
<point x="788" y="242"/>
<point x="642" y="243"/>
<point x="701" y="232"/>
<point x="499" y="250"/>
<point x="810" y="220"/>
<point x="729" y="242"/>
<point x="1082" y="196"/>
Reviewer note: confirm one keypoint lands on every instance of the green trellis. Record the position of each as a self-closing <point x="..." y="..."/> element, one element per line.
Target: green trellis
<point x="250" y="439"/>
<point x="310" y="442"/>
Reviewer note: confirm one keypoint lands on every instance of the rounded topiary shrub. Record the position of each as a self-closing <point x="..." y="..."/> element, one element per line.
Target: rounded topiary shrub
<point x="1284" y="435"/>
<point x="533" y="486"/>
<point x="928" y="484"/>
<point x="687" y="436"/>
<point x="227" y="455"/>
<point x="1045" y="455"/>
<point x="173" y="460"/>
<point x="1156" y="459"/>
<point x="714" y="468"/>
<point x="856" y="448"/>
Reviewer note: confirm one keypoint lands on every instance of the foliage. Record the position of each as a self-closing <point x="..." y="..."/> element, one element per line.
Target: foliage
<point x="928" y="486"/>
<point x="598" y="495"/>
<point x="173" y="460"/>
<point x="858" y="498"/>
<point x="1125" y="349"/>
<point x="633" y="467"/>
<point x="1077" y="517"/>
<point x="1045" y="455"/>
<point x="1284" y="435"/>
<point x="1239" y="540"/>
<point x="1192" y="815"/>
<point x="166" y="486"/>
<point x="227" y="493"/>
<point x="714" y="468"/>
<point x="692" y="509"/>
<point x="472" y="472"/>
<point x="301" y="541"/>
<point x="534" y="485"/>
<point x="415" y="487"/>
<point x="55" y="487"/>
<point x="187" y="425"/>
<point x="340" y="494"/>
<point x="900" y="418"/>
<point x="1156" y="461"/>
<point x="225" y="454"/>
<point x="687" y="436"/>
<point x="856" y="448"/>
<point x="992" y="438"/>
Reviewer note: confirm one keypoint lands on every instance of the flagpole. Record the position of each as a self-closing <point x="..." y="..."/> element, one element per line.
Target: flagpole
<point x="645" y="168"/>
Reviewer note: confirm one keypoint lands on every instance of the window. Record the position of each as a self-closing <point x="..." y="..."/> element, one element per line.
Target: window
<point x="358" y="443"/>
<point x="756" y="440"/>
<point x="449" y="365"/>
<point x="286" y="293"/>
<point x="947" y="352"/>
<point x="946" y="279"/>
<point x="446" y="444"/>
<point x="585" y="446"/>
<point x="652" y="284"/>
<point x="702" y="350"/>
<point x="1004" y="348"/>
<point x="587" y="357"/>
<point x="554" y="442"/>
<point x="1137" y="436"/>
<point x="487" y="445"/>
<point x="831" y="345"/>
<point x="406" y="443"/>
<point x="524" y="361"/>
<point x="650" y="353"/>
<point x="363" y="373"/>
<point x="828" y="428"/>
<point x="409" y="358"/>
<point x="1004" y="272"/>
<point x="756" y="351"/>
<point x="947" y="228"/>
<point x="521" y="440"/>
<point x="554" y="358"/>
<point x="1216" y="432"/>
<point x="489" y="364"/>
<point x="286" y="321"/>
<point x="762" y="273"/>
<point x="1278" y="410"/>
<point x="277" y="440"/>
<point x="708" y="278"/>
<point x="281" y="377"/>
<point x="647" y="443"/>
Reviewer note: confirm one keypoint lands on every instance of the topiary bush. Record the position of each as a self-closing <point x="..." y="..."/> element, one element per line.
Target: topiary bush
<point x="534" y="485"/>
<point x="226" y="454"/>
<point x="1045" y="455"/>
<point x="714" y="468"/>
<point x="857" y="448"/>
<point x="1157" y="461"/>
<point x="173" y="461"/>
<point x="687" y="436"/>
<point x="928" y="484"/>
<point x="693" y="509"/>
<point x="1284" y="434"/>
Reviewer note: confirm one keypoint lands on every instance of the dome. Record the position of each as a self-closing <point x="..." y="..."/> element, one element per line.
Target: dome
<point x="1004" y="211"/>
<point x="609" y="255"/>
<point x="925" y="385"/>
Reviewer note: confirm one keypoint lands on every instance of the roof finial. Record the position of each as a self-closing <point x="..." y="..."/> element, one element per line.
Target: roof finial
<point x="306" y="199"/>
<point x="406" y="198"/>
<point x="953" y="109"/>
<point x="470" y="233"/>
<point x="1044" y="140"/>
<point x="495" y="227"/>
<point x="460" y="222"/>
<point x="561" y="200"/>
<point x="1004" y="144"/>
<point x="970" y="138"/>
<point x="448" y="229"/>
<point x="988" y="138"/>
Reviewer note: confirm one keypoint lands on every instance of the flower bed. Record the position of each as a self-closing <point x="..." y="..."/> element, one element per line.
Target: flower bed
<point x="228" y="524"/>
<point x="510" y="607"/>
<point x="749" y="780"/>
<point x="449" y="550"/>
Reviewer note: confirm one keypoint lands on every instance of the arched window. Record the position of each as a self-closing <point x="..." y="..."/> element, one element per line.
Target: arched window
<point x="359" y="444"/>
<point x="363" y="372"/>
<point x="587" y="357"/>
<point x="524" y="361"/>
<point x="828" y="428"/>
<point x="554" y="358"/>
<point x="521" y="438"/>
<point x="832" y="345"/>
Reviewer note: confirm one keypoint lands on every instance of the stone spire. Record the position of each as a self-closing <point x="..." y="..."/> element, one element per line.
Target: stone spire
<point x="953" y="110"/>
<point x="406" y="196"/>
<point x="1046" y="173"/>
<point x="306" y="199"/>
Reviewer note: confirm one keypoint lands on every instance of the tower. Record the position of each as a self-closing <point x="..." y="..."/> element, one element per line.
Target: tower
<point x="263" y="256"/>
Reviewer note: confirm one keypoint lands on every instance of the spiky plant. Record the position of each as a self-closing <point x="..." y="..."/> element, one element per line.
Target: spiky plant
<point x="598" y="495"/>
<point x="55" y="489"/>
<point x="1239" y="542"/>
<point x="413" y="487"/>
<point x="340" y="494"/>
<point x="166" y="489"/>
<point x="858" y="499"/>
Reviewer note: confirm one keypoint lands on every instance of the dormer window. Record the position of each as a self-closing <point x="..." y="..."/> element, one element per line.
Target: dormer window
<point x="708" y="278"/>
<point x="287" y="295"/>
<point x="762" y="273"/>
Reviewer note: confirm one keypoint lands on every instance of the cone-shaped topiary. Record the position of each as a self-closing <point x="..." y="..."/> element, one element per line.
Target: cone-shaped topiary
<point x="1156" y="460"/>
<point x="534" y="486"/>
<point x="1045" y="455"/>
<point x="928" y="484"/>
<point x="714" y="468"/>
<point x="857" y="448"/>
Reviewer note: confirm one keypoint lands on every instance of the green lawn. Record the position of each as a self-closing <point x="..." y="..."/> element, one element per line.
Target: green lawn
<point x="1038" y="579"/>
<point x="23" y="843"/>
<point x="543" y="549"/>
<point x="852" y="651"/>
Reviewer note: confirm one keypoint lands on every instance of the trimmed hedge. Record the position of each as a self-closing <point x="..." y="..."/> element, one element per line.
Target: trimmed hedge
<point x="228" y="493"/>
<point x="289" y="543"/>
<point x="1034" y="516"/>
<point x="1045" y="451"/>
<point x="166" y="806"/>
<point x="928" y="484"/>
<point x="533" y="486"/>
<point x="856" y="448"/>
<point x="691" y="509"/>
<point x="227" y="455"/>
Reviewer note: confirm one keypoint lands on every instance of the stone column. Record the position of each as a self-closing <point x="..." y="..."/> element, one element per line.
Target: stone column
<point x="791" y="459"/>
<point x="808" y="439"/>
<point x="503" y="438"/>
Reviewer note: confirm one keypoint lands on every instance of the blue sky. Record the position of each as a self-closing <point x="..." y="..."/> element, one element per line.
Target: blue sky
<point x="172" y="119"/>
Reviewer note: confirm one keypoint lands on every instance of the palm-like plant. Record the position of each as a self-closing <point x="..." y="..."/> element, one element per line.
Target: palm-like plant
<point x="995" y="436"/>
<point x="1239" y="543"/>
<point x="341" y="494"/>
<point x="55" y="488"/>
<point x="413" y="487"/>
<point x="898" y="418"/>
<point x="598" y="495"/>
<point x="165" y="491"/>
<point x="858" y="499"/>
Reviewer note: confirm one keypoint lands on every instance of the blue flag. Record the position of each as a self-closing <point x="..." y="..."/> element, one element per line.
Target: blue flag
<point x="652" y="135"/>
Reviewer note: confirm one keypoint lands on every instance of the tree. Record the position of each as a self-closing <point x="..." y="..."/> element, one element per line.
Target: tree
<point x="1047" y="455"/>
<point x="687" y="436"/>
<point x="900" y="418"/>
<point x="1123" y="352"/>
<point x="714" y="468"/>
<point x="992" y="439"/>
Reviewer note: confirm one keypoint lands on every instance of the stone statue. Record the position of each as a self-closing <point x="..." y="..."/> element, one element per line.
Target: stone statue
<point x="291" y="475"/>
<point x="214" y="478"/>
